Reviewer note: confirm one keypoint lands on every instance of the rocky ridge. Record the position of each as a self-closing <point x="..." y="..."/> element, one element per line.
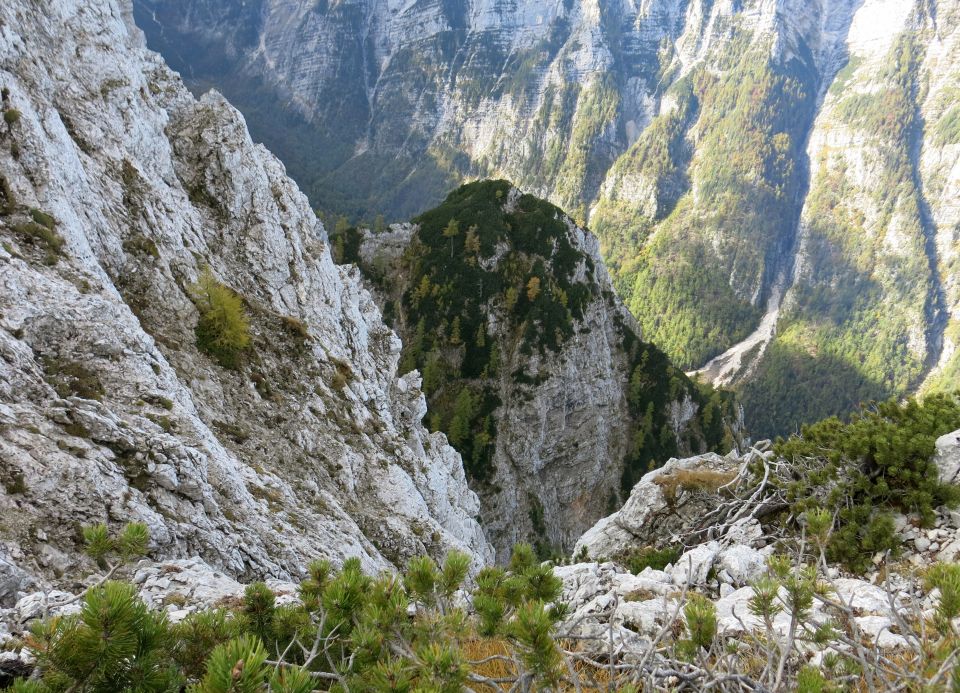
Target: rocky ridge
<point x="626" y="615"/>
<point x="118" y="189"/>
<point x="724" y="561"/>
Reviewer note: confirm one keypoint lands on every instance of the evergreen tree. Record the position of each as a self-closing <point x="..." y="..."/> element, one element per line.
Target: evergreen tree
<point x="463" y="412"/>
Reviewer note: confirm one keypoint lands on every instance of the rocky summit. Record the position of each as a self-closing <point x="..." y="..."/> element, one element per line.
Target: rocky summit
<point x="532" y="365"/>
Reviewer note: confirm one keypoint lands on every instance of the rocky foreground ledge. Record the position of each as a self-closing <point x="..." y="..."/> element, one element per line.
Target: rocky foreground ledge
<point x="760" y="604"/>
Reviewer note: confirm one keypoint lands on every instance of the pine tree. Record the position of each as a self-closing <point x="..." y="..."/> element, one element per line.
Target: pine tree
<point x="471" y="245"/>
<point x="510" y="299"/>
<point x="423" y="290"/>
<point x="481" y="338"/>
<point x="433" y="372"/>
<point x="451" y="231"/>
<point x="464" y="410"/>
<point x="455" y="338"/>
<point x="223" y="330"/>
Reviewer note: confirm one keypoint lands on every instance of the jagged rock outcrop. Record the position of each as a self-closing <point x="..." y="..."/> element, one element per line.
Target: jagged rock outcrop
<point x="639" y="607"/>
<point x="666" y="503"/>
<point x="533" y="366"/>
<point x="723" y="559"/>
<point x="118" y="189"/>
<point x="691" y="503"/>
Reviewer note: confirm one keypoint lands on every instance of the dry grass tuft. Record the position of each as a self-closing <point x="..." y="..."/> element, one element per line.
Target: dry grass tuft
<point x="707" y="480"/>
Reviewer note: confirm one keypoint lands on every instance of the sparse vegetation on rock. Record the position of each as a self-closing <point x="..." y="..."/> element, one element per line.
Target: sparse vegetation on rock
<point x="877" y="463"/>
<point x="223" y="330"/>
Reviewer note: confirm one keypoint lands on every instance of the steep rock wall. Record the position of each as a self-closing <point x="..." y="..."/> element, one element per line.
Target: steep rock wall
<point x="108" y="412"/>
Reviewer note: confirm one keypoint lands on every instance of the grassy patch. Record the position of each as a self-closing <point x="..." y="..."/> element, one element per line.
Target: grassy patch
<point x="138" y="244"/>
<point x="706" y="480"/>
<point x="43" y="237"/>
<point x="72" y="379"/>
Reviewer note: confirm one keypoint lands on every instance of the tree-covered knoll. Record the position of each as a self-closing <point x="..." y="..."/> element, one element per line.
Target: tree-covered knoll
<point x="492" y="282"/>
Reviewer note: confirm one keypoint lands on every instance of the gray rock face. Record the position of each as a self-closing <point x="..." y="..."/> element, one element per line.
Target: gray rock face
<point x="947" y="457"/>
<point x="13" y="580"/>
<point x="664" y="502"/>
<point x="108" y="412"/>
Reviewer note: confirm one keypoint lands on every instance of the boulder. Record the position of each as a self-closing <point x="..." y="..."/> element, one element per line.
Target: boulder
<point x="649" y="581"/>
<point x="183" y="586"/>
<point x="13" y="580"/>
<point x="647" y="617"/>
<point x="666" y="501"/>
<point x="947" y="457"/>
<point x="878" y="629"/>
<point x="742" y="563"/>
<point x="864" y="598"/>
<point x="693" y="567"/>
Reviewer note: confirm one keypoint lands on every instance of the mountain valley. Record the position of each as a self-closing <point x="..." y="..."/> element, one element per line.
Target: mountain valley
<point x="437" y="436"/>
<point x="774" y="182"/>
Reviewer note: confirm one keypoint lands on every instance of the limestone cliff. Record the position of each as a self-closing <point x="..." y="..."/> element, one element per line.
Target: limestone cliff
<point x="118" y="188"/>
<point x="722" y="151"/>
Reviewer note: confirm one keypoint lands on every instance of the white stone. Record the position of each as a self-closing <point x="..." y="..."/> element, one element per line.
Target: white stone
<point x="863" y="597"/>
<point x="947" y="457"/>
<point x="647" y="617"/>
<point x="694" y="566"/>
<point x="742" y="564"/>
<point x="877" y="628"/>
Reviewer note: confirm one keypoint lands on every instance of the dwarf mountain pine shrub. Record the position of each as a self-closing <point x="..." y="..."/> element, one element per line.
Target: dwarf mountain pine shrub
<point x="350" y="631"/>
<point x="428" y="631"/>
<point x="223" y="330"/>
<point x="877" y="463"/>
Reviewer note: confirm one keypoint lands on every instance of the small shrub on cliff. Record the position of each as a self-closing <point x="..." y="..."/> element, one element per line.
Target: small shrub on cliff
<point x="223" y="330"/>
<point x="650" y="557"/>
<point x="44" y="219"/>
<point x="72" y="378"/>
<point x="11" y="116"/>
<point x="879" y="462"/>
<point x="43" y="236"/>
<point x="8" y="201"/>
